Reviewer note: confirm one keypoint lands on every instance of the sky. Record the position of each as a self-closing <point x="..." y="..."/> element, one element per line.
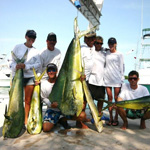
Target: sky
<point x="120" y="19"/>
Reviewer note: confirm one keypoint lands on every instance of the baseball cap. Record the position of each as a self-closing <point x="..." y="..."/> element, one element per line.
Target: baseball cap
<point x="51" y="66"/>
<point x="90" y="34"/>
<point x="31" y="34"/>
<point x="51" y="36"/>
<point x="112" y="41"/>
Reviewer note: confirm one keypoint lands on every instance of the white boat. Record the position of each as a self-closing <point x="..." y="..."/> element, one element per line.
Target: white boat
<point x="4" y="72"/>
<point x="143" y="65"/>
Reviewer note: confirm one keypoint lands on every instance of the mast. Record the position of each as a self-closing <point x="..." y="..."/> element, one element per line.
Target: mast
<point x="141" y="39"/>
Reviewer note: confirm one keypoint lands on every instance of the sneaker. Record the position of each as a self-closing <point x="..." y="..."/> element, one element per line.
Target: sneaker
<point x="102" y="118"/>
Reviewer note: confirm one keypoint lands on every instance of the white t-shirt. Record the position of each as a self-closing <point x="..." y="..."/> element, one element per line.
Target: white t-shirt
<point x="114" y="70"/>
<point x="46" y="88"/>
<point x="87" y="61"/>
<point x="96" y="76"/>
<point x="33" y="60"/>
<point x="48" y="56"/>
<point x="128" y="94"/>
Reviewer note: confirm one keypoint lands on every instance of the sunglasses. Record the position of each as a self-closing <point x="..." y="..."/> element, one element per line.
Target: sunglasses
<point x="98" y="43"/>
<point x="133" y="79"/>
<point x="51" y="70"/>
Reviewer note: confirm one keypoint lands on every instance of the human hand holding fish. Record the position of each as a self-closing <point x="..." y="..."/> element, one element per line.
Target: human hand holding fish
<point x="54" y="105"/>
<point x="37" y="82"/>
<point x="82" y="77"/>
<point x="20" y="66"/>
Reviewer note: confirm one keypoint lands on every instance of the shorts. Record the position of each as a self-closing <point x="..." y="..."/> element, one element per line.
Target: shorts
<point x="52" y="116"/>
<point x="97" y="92"/>
<point x="28" y="81"/>
<point x="134" y="114"/>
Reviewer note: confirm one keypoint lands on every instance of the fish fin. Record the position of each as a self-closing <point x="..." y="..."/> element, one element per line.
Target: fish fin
<point x="8" y="117"/>
<point x="35" y="75"/>
<point x="74" y="91"/>
<point x="5" y="115"/>
<point x="40" y="77"/>
<point x="109" y="105"/>
<point x="5" y="110"/>
<point x="77" y="32"/>
<point x="24" y="56"/>
<point x="76" y="79"/>
<point x="14" y="57"/>
<point x="81" y="73"/>
<point x="106" y="101"/>
<point x="20" y="60"/>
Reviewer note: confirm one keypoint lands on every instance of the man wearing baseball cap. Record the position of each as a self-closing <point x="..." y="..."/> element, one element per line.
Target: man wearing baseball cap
<point x="51" y="54"/>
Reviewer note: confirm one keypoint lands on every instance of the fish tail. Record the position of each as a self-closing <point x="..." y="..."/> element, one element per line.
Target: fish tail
<point x="77" y="32"/>
<point x="40" y="77"/>
<point x="109" y="105"/>
<point x="19" y="60"/>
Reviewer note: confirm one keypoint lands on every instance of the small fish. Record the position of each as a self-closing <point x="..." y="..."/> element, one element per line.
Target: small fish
<point x="34" y="124"/>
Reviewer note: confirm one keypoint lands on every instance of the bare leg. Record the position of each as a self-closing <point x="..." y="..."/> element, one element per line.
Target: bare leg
<point x="116" y="93"/>
<point x="47" y="126"/>
<point x="146" y="116"/>
<point x="110" y="97"/>
<point x="28" y="95"/>
<point x="100" y="106"/>
<point x="123" y="115"/>
<point x="80" y="119"/>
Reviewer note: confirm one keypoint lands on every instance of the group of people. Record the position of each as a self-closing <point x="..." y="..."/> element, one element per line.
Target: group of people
<point x="104" y="70"/>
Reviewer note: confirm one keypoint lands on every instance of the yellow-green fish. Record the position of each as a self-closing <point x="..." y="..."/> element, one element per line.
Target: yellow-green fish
<point x="34" y="124"/>
<point x="14" y="117"/>
<point x="68" y="90"/>
<point x="138" y="104"/>
<point x="95" y="114"/>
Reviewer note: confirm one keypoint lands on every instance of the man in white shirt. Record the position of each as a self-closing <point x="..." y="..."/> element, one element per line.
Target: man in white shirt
<point x="50" y="54"/>
<point x="96" y="77"/>
<point x="131" y="91"/>
<point x="87" y="50"/>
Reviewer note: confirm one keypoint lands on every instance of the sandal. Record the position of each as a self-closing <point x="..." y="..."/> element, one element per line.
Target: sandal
<point x="115" y="123"/>
<point x="109" y="123"/>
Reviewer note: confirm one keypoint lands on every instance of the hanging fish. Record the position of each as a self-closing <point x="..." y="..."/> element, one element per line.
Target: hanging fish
<point x="14" y="116"/>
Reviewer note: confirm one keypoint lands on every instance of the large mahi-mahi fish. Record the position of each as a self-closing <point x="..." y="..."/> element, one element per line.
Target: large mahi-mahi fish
<point x="68" y="90"/>
<point x="138" y="104"/>
<point x="14" y="117"/>
<point x="34" y="124"/>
